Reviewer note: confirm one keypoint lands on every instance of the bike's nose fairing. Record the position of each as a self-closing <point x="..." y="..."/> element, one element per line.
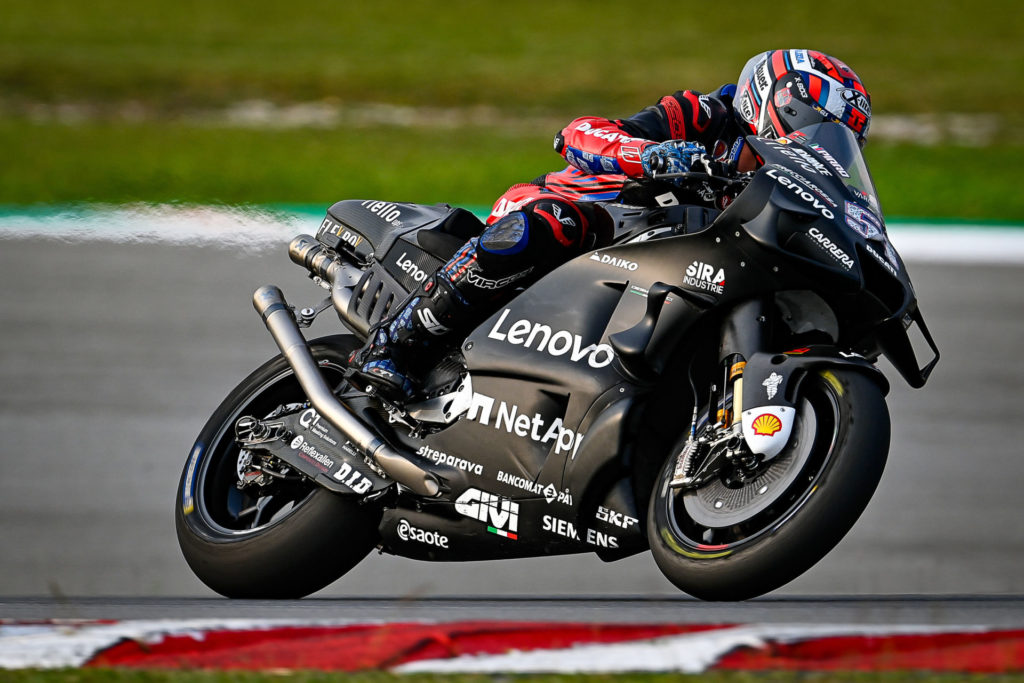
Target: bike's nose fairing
<point x="822" y="211"/>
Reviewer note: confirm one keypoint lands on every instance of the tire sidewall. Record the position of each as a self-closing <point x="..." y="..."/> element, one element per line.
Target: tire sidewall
<point x="322" y="538"/>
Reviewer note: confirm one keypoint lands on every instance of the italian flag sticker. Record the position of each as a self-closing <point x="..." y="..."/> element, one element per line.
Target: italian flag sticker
<point x="506" y="534"/>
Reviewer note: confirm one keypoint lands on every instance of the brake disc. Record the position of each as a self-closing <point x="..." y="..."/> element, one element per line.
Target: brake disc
<point x="718" y="505"/>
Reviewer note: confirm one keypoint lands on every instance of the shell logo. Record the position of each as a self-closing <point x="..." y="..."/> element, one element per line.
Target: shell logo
<point x="766" y="425"/>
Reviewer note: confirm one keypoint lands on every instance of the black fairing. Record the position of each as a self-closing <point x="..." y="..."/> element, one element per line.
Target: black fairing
<point x="565" y="375"/>
<point x="397" y="244"/>
<point x="362" y="229"/>
<point x="799" y="206"/>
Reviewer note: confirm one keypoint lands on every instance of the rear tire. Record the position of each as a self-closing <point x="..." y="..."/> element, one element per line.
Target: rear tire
<point x="286" y="541"/>
<point x="829" y="471"/>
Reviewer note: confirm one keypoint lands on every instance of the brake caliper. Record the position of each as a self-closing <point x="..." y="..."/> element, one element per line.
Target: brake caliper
<point x="256" y="468"/>
<point x="717" y="452"/>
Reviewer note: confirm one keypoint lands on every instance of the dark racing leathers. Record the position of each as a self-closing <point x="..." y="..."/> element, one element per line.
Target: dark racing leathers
<point x="535" y="227"/>
<point x="610" y="151"/>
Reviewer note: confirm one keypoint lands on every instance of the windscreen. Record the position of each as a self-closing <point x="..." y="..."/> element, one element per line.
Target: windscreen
<point x="837" y="145"/>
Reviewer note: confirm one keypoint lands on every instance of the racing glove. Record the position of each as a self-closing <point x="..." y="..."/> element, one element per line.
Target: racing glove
<point x="673" y="156"/>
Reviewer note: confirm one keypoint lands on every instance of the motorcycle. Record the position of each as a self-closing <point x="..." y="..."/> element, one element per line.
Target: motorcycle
<point x="702" y="384"/>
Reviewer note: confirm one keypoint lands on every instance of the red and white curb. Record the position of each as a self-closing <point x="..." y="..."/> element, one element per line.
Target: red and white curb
<point x="508" y="647"/>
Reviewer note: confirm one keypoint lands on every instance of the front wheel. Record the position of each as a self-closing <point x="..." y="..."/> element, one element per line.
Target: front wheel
<point x="285" y="540"/>
<point x="733" y="541"/>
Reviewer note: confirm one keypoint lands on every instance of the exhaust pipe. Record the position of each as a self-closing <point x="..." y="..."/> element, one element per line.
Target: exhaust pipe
<point x="305" y="251"/>
<point x="270" y="304"/>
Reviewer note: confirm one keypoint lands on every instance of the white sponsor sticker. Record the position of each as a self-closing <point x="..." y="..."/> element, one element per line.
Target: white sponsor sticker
<point x="407" y="532"/>
<point x="544" y="339"/>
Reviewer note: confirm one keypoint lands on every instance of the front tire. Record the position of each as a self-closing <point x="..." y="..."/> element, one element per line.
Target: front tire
<point x="720" y="542"/>
<point x="283" y="541"/>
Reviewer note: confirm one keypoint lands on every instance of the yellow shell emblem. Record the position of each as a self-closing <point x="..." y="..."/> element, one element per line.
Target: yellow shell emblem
<point x="766" y="425"/>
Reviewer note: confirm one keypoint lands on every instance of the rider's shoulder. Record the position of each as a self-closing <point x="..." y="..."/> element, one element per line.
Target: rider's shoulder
<point x="722" y="94"/>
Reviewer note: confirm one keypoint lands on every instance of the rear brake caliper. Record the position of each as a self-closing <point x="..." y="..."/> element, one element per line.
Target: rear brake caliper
<point x="254" y="467"/>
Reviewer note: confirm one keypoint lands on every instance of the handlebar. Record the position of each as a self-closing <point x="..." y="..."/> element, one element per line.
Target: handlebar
<point x="725" y="176"/>
<point x="698" y="176"/>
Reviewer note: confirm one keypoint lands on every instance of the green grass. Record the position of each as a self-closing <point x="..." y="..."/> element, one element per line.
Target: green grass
<point x="950" y="182"/>
<point x="52" y="163"/>
<point x="177" y="162"/>
<point x="539" y="61"/>
<point x="128" y="676"/>
<point x="572" y="55"/>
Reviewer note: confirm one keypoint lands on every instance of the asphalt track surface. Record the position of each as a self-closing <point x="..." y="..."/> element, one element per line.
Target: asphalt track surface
<point x="113" y="355"/>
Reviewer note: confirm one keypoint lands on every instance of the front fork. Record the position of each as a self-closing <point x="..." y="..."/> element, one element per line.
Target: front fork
<point x="744" y="332"/>
<point x="734" y="435"/>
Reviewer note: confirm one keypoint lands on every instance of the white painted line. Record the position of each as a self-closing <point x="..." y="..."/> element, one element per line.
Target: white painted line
<point x="923" y="242"/>
<point x="249" y="228"/>
<point x="257" y="229"/>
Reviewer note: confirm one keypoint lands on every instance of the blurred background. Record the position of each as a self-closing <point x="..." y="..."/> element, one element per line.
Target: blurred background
<point x="114" y="349"/>
<point x="311" y="101"/>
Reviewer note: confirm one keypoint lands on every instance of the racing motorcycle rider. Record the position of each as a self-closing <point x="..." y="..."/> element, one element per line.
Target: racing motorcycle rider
<point x="537" y="226"/>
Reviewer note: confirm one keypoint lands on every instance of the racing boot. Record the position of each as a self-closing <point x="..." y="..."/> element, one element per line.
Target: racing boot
<point x="403" y="346"/>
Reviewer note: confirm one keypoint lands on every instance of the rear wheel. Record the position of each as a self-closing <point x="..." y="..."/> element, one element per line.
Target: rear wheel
<point x="734" y="539"/>
<point x="285" y="540"/>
